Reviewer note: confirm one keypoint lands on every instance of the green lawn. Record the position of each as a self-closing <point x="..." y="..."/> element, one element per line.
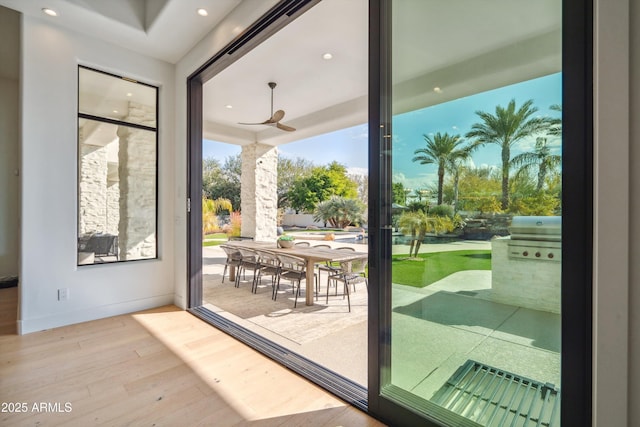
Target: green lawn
<point x="431" y="267"/>
<point x="213" y="242"/>
<point x="215" y="239"/>
<point x="216" y="236"/>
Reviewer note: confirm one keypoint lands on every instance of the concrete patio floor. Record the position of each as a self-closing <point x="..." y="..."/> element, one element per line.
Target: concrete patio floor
<point x="434" y="329"/>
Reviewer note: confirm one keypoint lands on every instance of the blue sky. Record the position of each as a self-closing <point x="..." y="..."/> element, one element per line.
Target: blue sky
<point x="456" y="118"/>
<point x="349" y="146"/>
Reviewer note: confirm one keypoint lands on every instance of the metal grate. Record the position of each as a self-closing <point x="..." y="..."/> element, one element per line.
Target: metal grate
<point x="496" y="398"/>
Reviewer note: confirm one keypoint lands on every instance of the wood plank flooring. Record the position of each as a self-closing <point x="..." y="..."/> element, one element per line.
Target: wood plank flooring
<point x="161" y="367"/>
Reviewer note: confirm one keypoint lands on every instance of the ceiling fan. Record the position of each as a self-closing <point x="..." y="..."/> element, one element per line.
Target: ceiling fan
<point x="275" y="118"/>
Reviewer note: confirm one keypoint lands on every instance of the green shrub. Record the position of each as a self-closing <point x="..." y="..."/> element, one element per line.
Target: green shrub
<point x="441" y="210"/>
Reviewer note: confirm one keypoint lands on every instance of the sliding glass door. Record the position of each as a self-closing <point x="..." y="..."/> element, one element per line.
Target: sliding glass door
<point x="474" y="142"/>
<point x="479" y="209"/>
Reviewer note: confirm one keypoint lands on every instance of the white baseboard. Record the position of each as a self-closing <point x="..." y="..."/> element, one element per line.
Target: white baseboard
<point x="26" y="326"/>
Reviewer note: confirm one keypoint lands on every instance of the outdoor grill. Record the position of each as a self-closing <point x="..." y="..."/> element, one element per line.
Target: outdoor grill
<point x="526" y="265"/>
<point x="536" y="237"/>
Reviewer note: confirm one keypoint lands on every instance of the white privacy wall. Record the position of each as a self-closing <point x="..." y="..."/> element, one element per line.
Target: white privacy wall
<point x="50" y="57"/>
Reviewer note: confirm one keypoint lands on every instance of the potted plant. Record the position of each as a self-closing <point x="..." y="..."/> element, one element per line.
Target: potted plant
<point x="285" y="241"/>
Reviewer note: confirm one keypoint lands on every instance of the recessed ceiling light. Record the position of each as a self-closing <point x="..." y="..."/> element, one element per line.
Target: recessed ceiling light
<point x="437" y="89"/>
<point x="327" y="56"/>
<point x="115" y="111"/>
<point x="229" y="106"/>
<point x="49" y="12"/>
<point x="203" y="12"/>
<point x="129" y="94"/>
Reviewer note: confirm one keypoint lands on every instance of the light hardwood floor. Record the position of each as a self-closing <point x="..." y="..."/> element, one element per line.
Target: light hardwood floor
<point x="161" y="367"/>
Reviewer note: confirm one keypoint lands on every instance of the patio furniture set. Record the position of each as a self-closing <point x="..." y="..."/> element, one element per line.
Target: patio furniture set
<point x="295" y="264"/>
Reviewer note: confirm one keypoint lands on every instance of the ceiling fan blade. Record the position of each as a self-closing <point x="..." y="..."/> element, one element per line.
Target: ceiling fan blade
<point x="285" y="127"/>
<point x="277" y="116"/>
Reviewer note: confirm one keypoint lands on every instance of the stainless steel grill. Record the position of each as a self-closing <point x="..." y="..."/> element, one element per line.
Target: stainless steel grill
<point x="543" y="228"/>
<point x="536" y="237"/>
<point x="497" y="398"/>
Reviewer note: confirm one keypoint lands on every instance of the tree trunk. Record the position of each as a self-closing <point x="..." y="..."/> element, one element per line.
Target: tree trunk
<point x="506" y="156"/>
<point x="440" y="183"/>
<point x="456" y="182"/>
<point x="542" y="173"/>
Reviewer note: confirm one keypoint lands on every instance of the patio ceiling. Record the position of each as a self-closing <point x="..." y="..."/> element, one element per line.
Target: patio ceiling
<point x="479" y="53"/>
<point x="475" y="54"/>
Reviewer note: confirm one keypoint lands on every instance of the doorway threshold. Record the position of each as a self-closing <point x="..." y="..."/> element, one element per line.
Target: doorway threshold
<point x="351" y="392"/>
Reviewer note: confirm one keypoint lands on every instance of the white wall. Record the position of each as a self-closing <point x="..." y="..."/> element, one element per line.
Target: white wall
<point x="231" y="26"/>
<point x="50" y="57"/>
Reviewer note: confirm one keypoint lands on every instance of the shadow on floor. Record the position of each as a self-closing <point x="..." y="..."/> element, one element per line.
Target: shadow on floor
<point x="458" y="309"/>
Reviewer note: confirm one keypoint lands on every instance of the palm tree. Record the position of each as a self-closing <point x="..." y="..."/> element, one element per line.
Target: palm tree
<point x="339" y="212"/>
<point x="441" y="150"/>
<point x="414" y="223"/>
<point x="505" y="128"/>
<point x="455" y="168"/>
<point x="555" y="124"/>
<point x="540" y="158"/>
<point x="418" y="224"/>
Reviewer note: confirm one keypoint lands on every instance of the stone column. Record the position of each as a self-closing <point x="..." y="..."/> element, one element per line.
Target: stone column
<point x="93" y="188"/>
<point x="113" y="207"/>
<point x="259" y="192"/>
<point x="137" y="185"/>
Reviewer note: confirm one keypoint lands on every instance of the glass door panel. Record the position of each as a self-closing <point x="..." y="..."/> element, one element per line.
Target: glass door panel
<point x="476" y="164"/>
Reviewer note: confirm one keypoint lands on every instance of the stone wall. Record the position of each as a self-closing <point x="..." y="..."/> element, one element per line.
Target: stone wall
<point x="258" y="191"/>
<point x="113" y="207"/>
<point x="529" y="283"/>
<point x="93" y="188"/>
<point x="137" y="175"/>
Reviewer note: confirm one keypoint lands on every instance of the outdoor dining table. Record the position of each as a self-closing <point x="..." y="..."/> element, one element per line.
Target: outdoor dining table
<point x="310" y="254"/>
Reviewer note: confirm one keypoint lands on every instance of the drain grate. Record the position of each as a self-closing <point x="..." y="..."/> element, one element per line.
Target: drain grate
<point x="495" y="398"/>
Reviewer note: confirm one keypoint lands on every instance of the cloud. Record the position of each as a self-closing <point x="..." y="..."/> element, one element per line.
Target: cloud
<point x="487" y="166"/>
<point x="424" y="180"/>
<point x="358" y="171"/>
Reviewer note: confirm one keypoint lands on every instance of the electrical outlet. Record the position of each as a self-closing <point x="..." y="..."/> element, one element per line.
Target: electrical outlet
<point x="63" y="294"/>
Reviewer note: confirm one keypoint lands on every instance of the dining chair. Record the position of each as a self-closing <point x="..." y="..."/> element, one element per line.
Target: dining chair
<point x="249" y="261"/>
<point x="295" y="269"/>
<point x="352" y="272"/>
<point x="329" y="267"/>
<point x="268" y="265"/>
<point x="234" y="257"/>
<point x="302" y="244"/>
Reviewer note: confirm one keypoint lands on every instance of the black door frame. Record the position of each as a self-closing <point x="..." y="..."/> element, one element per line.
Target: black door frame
<point x="577" y="222"/>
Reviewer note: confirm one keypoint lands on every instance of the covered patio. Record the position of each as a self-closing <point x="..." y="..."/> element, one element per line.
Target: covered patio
<point x="437" y="328"/>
